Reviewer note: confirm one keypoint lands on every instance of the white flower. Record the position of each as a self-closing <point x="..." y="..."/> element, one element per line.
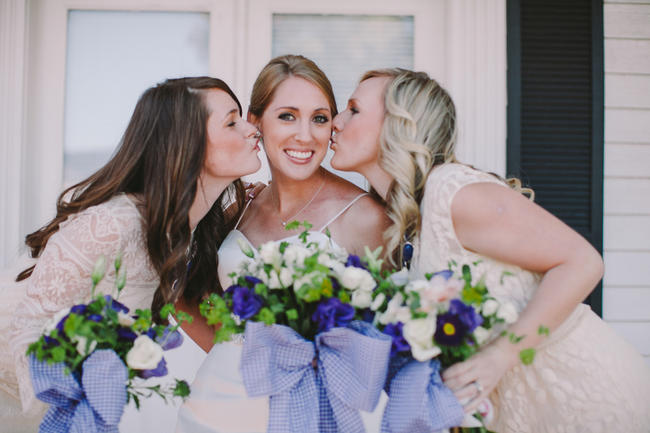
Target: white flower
<point x="145" y="354"/>
<point x="361" y="299"/>
<point x="395" y="311"/>
<point x="286" y="277"/>
<point x="305" y="279"/>
<point x="400" y="278"/>
<point x="419" y="334"/>
<point x="357" y="278"/>
<point x="81" y="345"/>
<point x="377" y="302"/>
<point x="295" y="255"/>
<point x="270" y="254"/>
<point x="51" y="325"/>
<point x="274" y="280"/>
<point x="124" y="319"/>
<point x="417" y="286"/>
<point x="508" y="313"/>
<point x="481" y="334"/>
<point x="489" y="307"/>
<point x="245" y="247"/>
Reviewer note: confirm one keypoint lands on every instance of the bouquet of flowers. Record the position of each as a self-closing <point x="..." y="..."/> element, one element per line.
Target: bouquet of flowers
<point x="301" y="308"/>
<point x="434" y="322"/>
<point x="92" y="358"/>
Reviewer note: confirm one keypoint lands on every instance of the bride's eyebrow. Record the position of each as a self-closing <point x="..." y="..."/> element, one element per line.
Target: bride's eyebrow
<point x="234" y="110"/>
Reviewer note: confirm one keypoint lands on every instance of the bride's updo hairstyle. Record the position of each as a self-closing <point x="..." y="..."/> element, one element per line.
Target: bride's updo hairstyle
<point x="159" y="161"/>
<point x="277" y="71"/>
<point x="418" y="133"/>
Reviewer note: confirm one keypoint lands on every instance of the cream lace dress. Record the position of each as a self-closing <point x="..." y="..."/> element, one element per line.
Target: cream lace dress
<point x="61" y="279"/>
<point x="585" y="378"/>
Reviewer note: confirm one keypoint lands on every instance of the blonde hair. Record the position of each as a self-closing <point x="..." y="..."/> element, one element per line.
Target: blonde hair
<point x="418" y="133"/>
<point x="277" y="71"/>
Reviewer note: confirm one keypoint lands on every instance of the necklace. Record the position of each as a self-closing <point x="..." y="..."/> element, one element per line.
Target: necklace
<point x="284" y="222"/>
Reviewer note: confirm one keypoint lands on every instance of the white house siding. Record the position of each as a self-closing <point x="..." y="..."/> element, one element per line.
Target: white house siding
<point x="626" y="285"/>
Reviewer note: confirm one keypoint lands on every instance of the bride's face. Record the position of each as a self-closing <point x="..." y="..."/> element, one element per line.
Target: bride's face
<point x="296" y="127"/>
<point x="355" y="140"/>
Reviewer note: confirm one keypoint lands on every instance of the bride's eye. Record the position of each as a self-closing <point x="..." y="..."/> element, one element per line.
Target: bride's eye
<point x="354" y="110"/>
<point x="321" y="118"/>
<point x="287" y="116"/>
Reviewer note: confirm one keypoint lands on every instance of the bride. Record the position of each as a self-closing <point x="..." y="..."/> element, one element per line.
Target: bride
<point x="293" y="105"/>
<point x="159" y="200"/>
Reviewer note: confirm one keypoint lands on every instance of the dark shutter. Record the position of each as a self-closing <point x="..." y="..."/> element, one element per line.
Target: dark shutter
<point x="555" y="110"/>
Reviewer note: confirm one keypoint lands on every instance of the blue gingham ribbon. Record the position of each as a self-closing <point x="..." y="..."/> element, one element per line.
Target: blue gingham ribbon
<point x="352" y="364"/>
<point x="418" y="401"/>
<point x="95" y="405"/>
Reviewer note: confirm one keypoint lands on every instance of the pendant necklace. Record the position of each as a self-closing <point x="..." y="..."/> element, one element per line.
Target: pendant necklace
<point x="284" y="222"/>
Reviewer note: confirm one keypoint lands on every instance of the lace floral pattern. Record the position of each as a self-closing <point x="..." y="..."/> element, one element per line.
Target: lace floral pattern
<point x="585" y="378"/>
<point x="61" y="277"/>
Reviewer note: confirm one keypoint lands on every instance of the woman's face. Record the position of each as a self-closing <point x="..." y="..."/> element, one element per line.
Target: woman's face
<point x="355" y="140"/>
<point x="231" y="148"/>
<point x="296" y="128"/>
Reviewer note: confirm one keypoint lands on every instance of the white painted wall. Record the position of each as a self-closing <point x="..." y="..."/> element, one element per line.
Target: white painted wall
<point x="626" y="285"/>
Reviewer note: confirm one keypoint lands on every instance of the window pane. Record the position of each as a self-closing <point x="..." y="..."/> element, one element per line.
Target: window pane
<point x="344" y="47"/>
<point x="112" y="57"/>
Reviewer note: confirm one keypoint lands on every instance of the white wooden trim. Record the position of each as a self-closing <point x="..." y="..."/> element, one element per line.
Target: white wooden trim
<point x="13" y="42"/>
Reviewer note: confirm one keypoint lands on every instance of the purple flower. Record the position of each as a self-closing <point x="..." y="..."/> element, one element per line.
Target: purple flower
<point x="354" y="261"/>
<point x="160" y="370"/>
<point x="466" y="313"/>
<point x="151" y="333"/>
<point x="79" y="309"/>
<point x="367" y="315"/>
<point x="450" y="330"/>
<point x="252" y="280"/>
<point x="332" y="313"/>
<point x="126" y="334"/>
<point x="170" y="340"/>
<point x="50" y="341"/>
<point x="447" y="274"/>
<point x="116" y="306"/>
<point x="59" y="326"/>
<point x="400" y="345"/>
<point x="95" y="317"/>
<point x="245" y="302"/>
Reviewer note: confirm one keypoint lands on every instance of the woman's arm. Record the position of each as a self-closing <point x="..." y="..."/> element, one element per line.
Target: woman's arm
<point x="500" y="223"/>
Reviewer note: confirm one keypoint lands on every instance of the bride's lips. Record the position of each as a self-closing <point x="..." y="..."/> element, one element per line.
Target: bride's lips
<point x="299" y="156"/>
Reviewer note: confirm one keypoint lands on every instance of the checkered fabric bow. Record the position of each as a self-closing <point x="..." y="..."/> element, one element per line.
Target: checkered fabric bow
<point x="348" y="376"/>
<point x="95" y="405"/>
<point x="418" y="401"/>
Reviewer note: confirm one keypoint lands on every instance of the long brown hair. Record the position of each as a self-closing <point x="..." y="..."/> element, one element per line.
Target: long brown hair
<point x="159" y="159"/>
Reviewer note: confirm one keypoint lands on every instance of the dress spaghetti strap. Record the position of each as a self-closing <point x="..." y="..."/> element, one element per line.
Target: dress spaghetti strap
<point x="342" y="211"/>
<point x="242" y="214"/>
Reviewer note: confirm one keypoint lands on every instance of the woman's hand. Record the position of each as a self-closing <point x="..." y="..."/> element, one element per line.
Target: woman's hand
<point x="473" y="380"/>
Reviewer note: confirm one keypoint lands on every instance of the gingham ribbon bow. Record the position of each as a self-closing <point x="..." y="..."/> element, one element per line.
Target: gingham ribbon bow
<point x="351" y="371"/>
<point x="418" y="401"/>
<point x="95" y="405"/>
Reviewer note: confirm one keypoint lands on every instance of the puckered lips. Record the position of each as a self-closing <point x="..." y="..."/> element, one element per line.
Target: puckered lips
<point x="299" y="156"/>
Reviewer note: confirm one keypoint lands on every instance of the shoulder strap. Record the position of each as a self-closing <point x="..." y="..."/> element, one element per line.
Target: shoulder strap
<point x="342" y="211"/>
<point x="243" y="212"/>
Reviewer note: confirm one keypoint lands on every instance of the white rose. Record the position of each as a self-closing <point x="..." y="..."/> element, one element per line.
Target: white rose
<point x="377" y="302"/>
<point x="419" y="334"/>
<point x="489" y="307"/>
<point x="481" y="334"/>
<point x="51" y="325"/>
<point x="145" y="354"/>
<point x="274" y="280"/>
<point x="357" y="278"/>
<point x="270" y="254"/>
<point x="361" y="299"/>
<point x="295" y="255"/>
<point x="286" y="277"/>
<point x="395" y="311"/>
<point x="508" y="313"/>
<point x="81" y="345"/>
<point x="124" y="319"/>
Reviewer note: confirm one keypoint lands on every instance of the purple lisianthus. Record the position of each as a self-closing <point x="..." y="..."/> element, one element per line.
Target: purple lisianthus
<point x="446" y="274"/>
<point x="124" y="333"/>
<point x="466" y="313"/>
<point x="116" y="306"/>
<point x="400" y="345"/>
<point x="170" y="340"/>
<point x="252" y="280"/>
<point x="367" y="315"/>
<point x="59" y="326"/>
<point x="160" y="370"/>
<point x="50" y="341"/>
<point x="332" y="313"/>
<point x="95" y="317"/>
<point x="354" y="261"/>
<point x="450" y="330"/>
<point x="245" y="302"/>
<point x="79" y="309"/>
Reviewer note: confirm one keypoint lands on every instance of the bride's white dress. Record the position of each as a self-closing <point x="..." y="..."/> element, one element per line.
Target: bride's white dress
<point x="584" y="378"/>
<point x="219" y="403"/>
<point x="61" y="279"/>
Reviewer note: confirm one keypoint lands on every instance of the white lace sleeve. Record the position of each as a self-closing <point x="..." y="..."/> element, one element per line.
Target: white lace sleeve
<point x="61" y="279"/>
